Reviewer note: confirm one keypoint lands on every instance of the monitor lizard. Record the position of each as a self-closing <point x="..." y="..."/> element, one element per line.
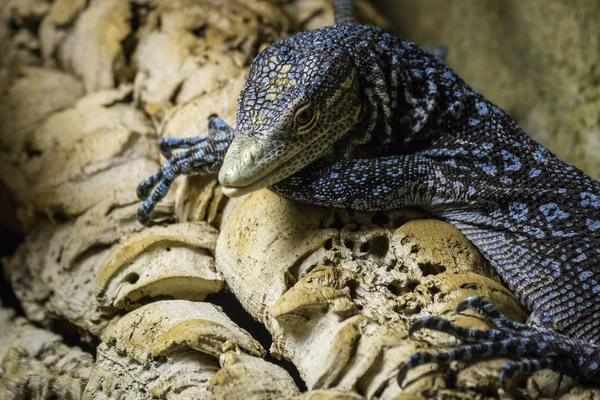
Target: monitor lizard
<point x="352" y="116"/>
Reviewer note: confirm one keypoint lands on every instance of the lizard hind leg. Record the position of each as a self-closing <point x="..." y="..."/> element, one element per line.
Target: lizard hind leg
<point x="511" y="369"/>
<point x="485" y="308"/>
<point x="534" y="348"/>
<point x="484" y="349"/>
<point x="459" y="332"/>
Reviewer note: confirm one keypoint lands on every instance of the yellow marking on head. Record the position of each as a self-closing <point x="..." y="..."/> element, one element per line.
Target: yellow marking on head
<point x="254" y="119"/>
<point x="284" y="82"/>
<point x="335" y="97"/>
<point x="271" y="94"/>
<point x="349" y="80"/>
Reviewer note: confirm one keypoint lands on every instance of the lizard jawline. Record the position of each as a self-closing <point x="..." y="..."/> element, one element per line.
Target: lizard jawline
<point x="237" y="191"/>
<point x="273" y="175"/>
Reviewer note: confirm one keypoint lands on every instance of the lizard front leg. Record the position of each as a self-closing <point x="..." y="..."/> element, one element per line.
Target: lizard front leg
<point x="200" y="154"/>
<point x="375" y="183"/>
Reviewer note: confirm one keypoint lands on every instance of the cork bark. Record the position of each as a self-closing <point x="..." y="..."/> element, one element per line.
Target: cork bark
<point x="106" y="308"/>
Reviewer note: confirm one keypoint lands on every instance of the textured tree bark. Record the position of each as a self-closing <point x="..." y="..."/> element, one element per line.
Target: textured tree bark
<point x="115" y="310"/>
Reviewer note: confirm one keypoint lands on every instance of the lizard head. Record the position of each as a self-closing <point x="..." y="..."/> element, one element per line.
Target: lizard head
<point x="296" y="102"/>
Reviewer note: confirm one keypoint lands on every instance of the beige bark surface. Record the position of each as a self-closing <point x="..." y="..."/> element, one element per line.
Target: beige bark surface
<point x="112" y="309"/>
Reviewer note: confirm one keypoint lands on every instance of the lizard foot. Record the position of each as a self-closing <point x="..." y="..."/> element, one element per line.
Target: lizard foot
<point x="536" y="348"/>
<point x="167" y="144"/>
<point x="200" y="154"/>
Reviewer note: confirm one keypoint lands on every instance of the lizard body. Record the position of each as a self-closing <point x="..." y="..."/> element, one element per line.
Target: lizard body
<point x="351" y="116"/>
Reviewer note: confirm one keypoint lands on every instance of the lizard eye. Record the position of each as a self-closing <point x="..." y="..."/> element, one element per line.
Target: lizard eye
<point x="304" y="116"/>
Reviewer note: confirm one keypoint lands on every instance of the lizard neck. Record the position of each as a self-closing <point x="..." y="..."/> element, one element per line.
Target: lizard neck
<point x="404" y="89"/>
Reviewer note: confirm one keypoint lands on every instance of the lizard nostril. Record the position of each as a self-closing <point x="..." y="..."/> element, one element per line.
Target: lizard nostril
<point x="251" y="155"/>
<point x="248" y="157"/>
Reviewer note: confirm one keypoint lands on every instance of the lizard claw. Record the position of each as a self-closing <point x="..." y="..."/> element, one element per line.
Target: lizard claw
<point x="402" y="370"/>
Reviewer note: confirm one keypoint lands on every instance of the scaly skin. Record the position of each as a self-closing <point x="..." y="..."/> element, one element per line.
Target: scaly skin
<point x="350" y="116"/>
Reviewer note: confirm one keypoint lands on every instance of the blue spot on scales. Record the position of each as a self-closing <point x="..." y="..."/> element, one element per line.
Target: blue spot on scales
<point x="541" y="155"/>
<point x="593" y="224"/>
<point x="518" y="211"/>
<point x="589" y="199"/>
<point x="482" y="108"/>
<point x="585" y="275"/>
<point x="551" y="211"/>
<point x="487" y="167"/>
<point x="511" y="161"/>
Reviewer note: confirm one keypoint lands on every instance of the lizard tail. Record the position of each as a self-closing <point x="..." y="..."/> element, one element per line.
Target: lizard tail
<point x="342" y="10"/>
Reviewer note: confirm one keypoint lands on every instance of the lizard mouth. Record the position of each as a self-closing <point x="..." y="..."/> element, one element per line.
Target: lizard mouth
<point x="242" y="171"/>
<point x="237" y="191"/>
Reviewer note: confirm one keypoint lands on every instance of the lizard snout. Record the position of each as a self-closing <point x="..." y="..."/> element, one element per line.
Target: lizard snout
<point x="240" y="165"/>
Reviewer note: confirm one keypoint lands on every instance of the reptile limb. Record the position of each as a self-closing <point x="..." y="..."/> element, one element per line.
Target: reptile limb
<point x="199" y="154"/>
<point x="539" y="348"/>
